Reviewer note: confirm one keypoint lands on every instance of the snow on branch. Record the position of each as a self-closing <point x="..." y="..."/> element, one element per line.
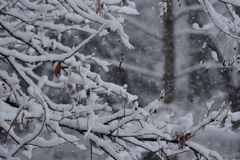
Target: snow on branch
<point x="226" y="24"/>
<point x="43" y="68"/>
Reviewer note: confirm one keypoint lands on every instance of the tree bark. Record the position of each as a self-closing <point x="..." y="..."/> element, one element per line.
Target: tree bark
<point x="168" y="42"/>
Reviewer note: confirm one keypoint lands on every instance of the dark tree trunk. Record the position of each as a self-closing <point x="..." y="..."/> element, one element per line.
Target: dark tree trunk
<point x="168" y="44"/>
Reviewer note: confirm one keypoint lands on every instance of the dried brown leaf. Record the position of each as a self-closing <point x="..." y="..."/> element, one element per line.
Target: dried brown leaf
<point x="183" y="139"/>
<point x="150" y="110"/>
<point x="223" y="121"/>
<point x="58" y="69"/>
<point x="36" y="30"/>
<point x="23" y="115"/>
<point x="88" y="92"/>
<point x="73" y="69"/>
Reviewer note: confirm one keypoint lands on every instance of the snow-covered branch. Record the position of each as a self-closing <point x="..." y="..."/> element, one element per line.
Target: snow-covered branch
<point x="43" y="69"/>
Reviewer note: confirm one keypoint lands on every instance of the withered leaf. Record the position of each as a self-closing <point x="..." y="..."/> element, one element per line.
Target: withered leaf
<point x="223" y="121"/>
<point x="88" y="92"/>
<point x="23" y="115"/>
<point x="150" y="110"/>
<point x="73" y="69"/>
<point x="187" y="136"/>
<point x="36" y="30"/>
<point x="10" y="138"/>
<point x="77" y="87"/>
<point x="183" y="139"/>
<point x="58" y="69"/>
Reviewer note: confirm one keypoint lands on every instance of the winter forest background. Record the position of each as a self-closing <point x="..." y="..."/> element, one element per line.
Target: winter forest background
<point x="119" y="79"/>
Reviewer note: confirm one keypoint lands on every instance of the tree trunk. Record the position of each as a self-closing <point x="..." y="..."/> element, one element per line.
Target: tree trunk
<point x="168" y="43"/>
